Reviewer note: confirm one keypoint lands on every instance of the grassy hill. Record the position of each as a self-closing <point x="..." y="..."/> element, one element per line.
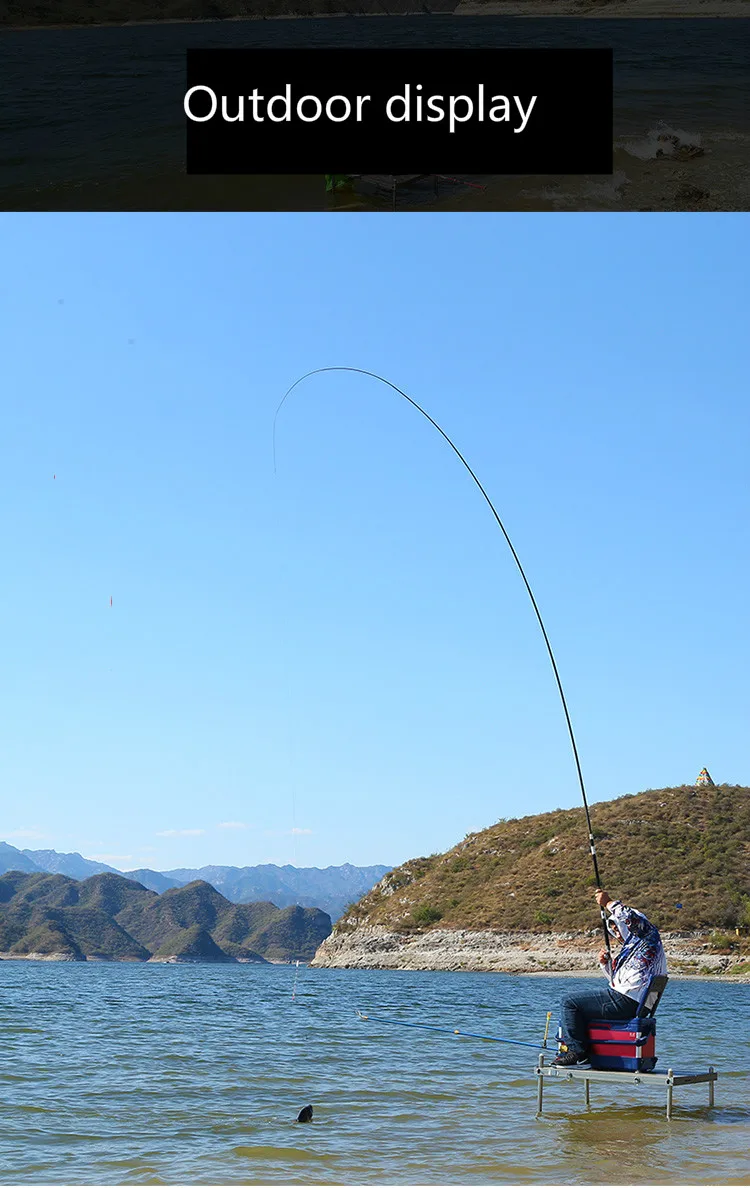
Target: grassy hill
<point x="656" y="849"/>
<point x="155" y="919"/>
<point x="113" y="918"/>
<point x="294" y="930"/>
<point x="73" y="12"/>
<point x="112" y="894"/>
<point x="46" y="939"/>
<point x="331" y="889"/>
<point x="192" y="944"/>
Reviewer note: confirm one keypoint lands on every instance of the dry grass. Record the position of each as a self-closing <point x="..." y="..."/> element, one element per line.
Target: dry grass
<point x="72" y="12"/>
<point x="656" y="849"/>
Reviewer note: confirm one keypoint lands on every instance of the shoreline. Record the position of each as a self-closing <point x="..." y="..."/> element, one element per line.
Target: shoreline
<point x="175" y="959"/>
<point x="713" y="180"/>
<point x="575" y="9"/>
<point x="701" y="954"/>
<point x="566" y="954"/>
<point x="737" y="979"/>
<point x="66" y="959"/>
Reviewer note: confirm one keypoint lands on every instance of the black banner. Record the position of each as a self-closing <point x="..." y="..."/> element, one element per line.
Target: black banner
<point x="496" y="111"/>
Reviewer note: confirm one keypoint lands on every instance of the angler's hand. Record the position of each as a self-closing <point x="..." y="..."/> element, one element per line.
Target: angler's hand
<point x="603" y="957"/>
<point x="602" y="898"/>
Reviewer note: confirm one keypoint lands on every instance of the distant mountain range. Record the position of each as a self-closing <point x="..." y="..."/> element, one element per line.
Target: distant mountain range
<point x="331" y="889"/>
<point x="110" y="917"/>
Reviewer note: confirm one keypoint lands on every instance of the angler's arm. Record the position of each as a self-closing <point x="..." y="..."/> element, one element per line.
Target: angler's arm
<point x="628" y="920"/>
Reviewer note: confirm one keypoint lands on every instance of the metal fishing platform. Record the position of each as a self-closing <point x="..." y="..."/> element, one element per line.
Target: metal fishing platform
<point x="389" y="185"/>
<point x="666" y="1080"/>
<point x="396" y="189"/>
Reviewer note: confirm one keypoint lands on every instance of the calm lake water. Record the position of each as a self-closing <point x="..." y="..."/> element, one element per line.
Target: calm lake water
<point x="93" y="118"/>
<point x="158" y="1074"/>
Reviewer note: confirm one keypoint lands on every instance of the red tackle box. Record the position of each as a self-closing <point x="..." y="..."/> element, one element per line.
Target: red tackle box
<point x="624" y="1045"/>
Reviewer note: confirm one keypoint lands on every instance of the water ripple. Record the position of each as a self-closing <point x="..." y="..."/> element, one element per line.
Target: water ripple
<point x="122" y="1074"/>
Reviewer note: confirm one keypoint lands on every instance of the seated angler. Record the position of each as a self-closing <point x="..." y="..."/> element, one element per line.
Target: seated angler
<point x="640" y="959"/>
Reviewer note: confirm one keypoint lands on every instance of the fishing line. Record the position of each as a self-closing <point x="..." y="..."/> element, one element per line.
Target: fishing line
<point x="459" y="455"/>
<point x="294" y="832"/>
<point x="495" y="1039"/>
<point x="294" y="987"/>
<point x="296" y="890"/>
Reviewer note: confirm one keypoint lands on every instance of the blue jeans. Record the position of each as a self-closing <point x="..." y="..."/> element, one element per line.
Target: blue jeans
<point x="577" y="1009"/>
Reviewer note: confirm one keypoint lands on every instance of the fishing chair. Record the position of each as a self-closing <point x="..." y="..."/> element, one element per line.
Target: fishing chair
<point x="647" y="1003"/>
<point x="628" y="1045"/>
<point x="651" y="996"/>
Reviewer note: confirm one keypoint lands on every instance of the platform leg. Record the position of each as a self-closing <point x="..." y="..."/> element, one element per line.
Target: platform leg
<point x="587" y="1083"/>
<point x="711" y="1088"/>
<point x="670" y="1089"/>
<point x="539" y="1094"/>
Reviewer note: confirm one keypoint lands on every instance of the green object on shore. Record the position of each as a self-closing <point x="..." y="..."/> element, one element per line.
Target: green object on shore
<point x="338" y="181"/>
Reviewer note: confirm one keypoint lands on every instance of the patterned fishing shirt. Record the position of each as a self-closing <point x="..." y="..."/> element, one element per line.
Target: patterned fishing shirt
<point x="642" y="955"/>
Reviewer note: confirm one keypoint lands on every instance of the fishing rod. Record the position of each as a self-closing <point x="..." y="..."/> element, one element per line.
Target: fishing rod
<point x="495" y="1039"/>
<point x="461" y="181"/>
<point x="459" y="455"/>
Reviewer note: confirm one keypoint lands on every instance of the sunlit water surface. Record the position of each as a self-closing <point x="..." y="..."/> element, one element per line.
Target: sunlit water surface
<point x="150" y="1074"/>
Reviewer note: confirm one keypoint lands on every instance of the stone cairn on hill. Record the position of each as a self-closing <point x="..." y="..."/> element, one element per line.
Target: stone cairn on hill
<point x="704" y="780"/>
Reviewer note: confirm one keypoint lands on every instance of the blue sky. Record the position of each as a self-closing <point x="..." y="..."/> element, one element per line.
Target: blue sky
<point x="339" y="662"/>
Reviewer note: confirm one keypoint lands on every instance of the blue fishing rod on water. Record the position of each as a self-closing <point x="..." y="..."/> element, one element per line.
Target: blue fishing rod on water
<point x="495" y="1039"/>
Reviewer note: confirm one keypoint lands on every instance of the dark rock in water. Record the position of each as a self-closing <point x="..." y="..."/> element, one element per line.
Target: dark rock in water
<point x="305" y="1114"/>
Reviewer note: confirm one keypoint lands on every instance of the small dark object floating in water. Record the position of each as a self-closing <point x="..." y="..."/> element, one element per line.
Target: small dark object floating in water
<point x="305" y="1114"/>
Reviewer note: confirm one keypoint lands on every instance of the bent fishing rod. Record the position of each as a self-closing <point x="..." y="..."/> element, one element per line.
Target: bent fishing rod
<point x="381" y="379"/>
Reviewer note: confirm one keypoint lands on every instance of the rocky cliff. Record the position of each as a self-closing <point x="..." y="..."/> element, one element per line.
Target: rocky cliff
<point x="519" y="895"/>
<point x="515" y="952"/>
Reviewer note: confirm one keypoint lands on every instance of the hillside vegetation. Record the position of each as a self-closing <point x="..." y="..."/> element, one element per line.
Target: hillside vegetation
<point x="331" y="889"/>
<point x="656" y="850"/>
<point x="109" y="917"/>
<point x="73" y="12"/>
